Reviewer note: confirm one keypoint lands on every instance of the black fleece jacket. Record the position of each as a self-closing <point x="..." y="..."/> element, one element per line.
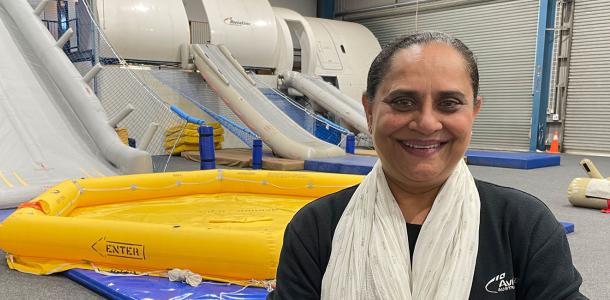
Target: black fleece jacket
<point x="523" y="250"/>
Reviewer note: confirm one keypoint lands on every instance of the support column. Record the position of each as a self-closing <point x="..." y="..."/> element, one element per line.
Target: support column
<point x="326" y="9"/>
<point x="542" y="75"/>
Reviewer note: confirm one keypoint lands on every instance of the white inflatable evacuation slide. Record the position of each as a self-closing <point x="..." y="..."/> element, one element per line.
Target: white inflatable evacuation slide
<point x="52" y="126"/>
<point x="229" y="80"/>
<point x="329" y="97"/>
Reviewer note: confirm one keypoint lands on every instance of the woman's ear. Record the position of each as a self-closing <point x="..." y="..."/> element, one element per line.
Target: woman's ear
<point x="477" y="105"/>
<point x="368" y="111"/>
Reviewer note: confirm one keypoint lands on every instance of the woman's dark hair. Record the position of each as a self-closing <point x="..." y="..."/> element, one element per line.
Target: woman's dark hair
<point x="381" y="64"/>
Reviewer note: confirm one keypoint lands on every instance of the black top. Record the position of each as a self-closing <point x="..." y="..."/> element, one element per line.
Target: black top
<point x="412" y="233"/>
<point x="523" y="250"/>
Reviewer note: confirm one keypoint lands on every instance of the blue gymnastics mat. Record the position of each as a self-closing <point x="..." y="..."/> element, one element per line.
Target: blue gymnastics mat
<point x="514" y="160"/>
<point x="349" y="164"/>
<point x="149" y="288"/>
<point x="356" y="164"/>
<point x="568" y="227"/>
<point x="5" y="213"/>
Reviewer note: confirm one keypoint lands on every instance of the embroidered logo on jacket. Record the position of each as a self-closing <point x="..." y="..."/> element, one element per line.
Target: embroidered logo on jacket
<point x="500" y="284"/>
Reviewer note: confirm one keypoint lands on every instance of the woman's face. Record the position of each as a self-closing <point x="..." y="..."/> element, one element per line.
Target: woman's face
<point x="421" y="117"/>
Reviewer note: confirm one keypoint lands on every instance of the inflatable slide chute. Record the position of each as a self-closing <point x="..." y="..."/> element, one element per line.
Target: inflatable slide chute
<point x="229" y="80"/>
<point x="329" y="97"/>
<point x="52" y="124"/>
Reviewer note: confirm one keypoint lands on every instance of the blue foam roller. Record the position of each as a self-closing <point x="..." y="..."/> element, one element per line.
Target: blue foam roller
<point x="257" y="154"/>
<point x="350" y="144"/>
<point x="206" y="147"/>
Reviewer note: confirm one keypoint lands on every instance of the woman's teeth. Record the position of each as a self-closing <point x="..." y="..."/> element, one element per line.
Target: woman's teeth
<point x="422" y="146"/>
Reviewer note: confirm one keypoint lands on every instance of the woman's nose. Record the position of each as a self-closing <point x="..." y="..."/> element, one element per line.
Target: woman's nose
<point x="425" y="121"/>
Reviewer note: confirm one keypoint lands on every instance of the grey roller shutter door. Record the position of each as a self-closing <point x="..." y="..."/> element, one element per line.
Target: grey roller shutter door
<point x="502" y="34"/>
<point x="200" y="32"/>
<point x="587" y="123"/>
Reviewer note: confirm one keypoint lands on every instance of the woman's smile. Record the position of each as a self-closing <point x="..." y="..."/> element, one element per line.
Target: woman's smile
<point x="422" y="148"/>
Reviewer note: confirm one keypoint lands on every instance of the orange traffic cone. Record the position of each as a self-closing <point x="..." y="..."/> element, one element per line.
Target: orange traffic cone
<point x="554" y="144"/>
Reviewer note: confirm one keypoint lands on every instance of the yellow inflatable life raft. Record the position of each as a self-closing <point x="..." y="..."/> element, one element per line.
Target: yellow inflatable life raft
<point x="222" y="224"/>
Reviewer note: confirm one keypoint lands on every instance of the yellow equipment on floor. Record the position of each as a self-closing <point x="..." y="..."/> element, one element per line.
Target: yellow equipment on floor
<point x="181" y="138"/>
<point x="225" y="225"/>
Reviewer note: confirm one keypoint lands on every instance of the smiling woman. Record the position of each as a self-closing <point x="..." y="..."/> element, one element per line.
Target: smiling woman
<point x="419" y="226"/>
<point x="420" y="103"/>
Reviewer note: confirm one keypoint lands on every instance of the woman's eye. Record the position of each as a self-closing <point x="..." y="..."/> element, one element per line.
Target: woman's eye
<point x="402" y="103"/>
<point x="449" y="104"/>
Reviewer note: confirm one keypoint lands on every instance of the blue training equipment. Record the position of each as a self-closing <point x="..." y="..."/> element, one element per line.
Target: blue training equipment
<point x="568" y="227"/>
<point x="5" y="213"/>
<point x="514" y="160"/>
<point x="353" y="164"/>
<point x="149" y="287"/>
<point x="349" y="164"/>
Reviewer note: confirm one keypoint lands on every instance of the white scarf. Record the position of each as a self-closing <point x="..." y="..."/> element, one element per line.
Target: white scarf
<point x="370" y="248"/>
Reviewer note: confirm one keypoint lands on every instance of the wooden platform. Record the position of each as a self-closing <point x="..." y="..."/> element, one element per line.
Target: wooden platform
<point x="365" y="152"/>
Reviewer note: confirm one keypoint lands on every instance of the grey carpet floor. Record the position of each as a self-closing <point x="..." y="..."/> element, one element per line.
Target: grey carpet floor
<point x="590" y="243"/>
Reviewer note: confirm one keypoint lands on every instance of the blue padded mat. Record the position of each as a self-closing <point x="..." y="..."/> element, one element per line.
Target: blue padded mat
<point x="514" y="160"/>
<point x="568" y="227"/>
<point x="349" y="164"/>
<point x="5" y="213"/>
<point x="148" y="287"/>
<point x="355" y="164"/>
